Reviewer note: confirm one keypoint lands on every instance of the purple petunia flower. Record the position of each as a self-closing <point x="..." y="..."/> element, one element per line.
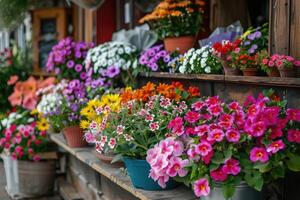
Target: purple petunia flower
<point x="70" y="64"/>
<point x="57" y="71"/>
<point x="78" y="67"/>
<point x="112" y="71"/>
<point x="83" y="75"/>
<point x="251" y="36"/>
<point x="257" y="34"/>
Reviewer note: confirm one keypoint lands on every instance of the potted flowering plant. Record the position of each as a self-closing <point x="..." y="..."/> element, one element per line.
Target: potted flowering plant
<point x="66" y="116"/>
<point x="155" y="58"/>
<point x="247" y="63"/>
<point x="232" y="148"/>
<point x="223" y="52"/>
<point x="114" y="60"/>
<point x="176" y="22"/>
<point x="286" y="65"/>
<point x="66" y="59"/>
<point x="23" y="140"/>
<point x="200" y="61"/>
<point x="263" y="59"/>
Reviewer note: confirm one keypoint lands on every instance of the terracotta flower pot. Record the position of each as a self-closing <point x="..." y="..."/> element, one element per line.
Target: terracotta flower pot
<point x="74" y="136"/>
<point x="288" y="72"/>
<point x="228" y="70"/>
<point x="250" y="71"/>
<point x="273" y="73"/>
<point x="107" y="159"/>
<point x="182" y="44"/>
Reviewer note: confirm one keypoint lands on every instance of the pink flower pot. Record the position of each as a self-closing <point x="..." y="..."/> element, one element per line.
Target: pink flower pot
<point x="183" y="43"/>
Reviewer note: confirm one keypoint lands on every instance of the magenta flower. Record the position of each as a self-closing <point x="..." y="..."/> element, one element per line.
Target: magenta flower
<point x="203" y="148"/>
<point x="201" y="130"/>
<point x="215" y="110"/>
<point x="259" y="154"/>
<point x="176" y="126"/>
<point x="258" y="129"/>
<point x="276" y="146"/>
<point x="232" y="167"/>
<point x="112" y="71"/>
<point x="176" y="167"/>
<point x="219" y="175"/>
<point x="70" y="64"/>
<point x="232" y="135"/>
<point x="270" y="115"/>
<point x="78" y="67"/>
<point x="235" y="106"/>
<point x="215" y="135"/>
<point x="293" y="136"/>
<point x="293" y="114"/>
<point x="192" y="117"/>
<point x="197" y="106"/>
<point x="201" y="187"/>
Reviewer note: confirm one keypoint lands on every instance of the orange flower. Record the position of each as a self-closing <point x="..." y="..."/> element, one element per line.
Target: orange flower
<point x="30" y="85"/>
<point x="194" y="91"/>
<point x="45" y="83"/>
<point x="164" y="89"/>
<point x="176" y="13"/>
<point x="15" y="99"/>
<point x="127" y="95"/>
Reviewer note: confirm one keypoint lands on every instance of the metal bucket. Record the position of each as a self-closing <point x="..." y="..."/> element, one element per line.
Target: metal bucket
<point x="242" y="192"/>
<point x="36" y="178"/>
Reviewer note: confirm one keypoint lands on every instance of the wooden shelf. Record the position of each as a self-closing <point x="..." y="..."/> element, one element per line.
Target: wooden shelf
<point x="118" y="177"/>
<point x="248" y="80"/>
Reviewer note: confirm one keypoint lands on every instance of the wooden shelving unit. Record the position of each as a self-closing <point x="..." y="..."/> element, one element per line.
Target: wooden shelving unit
<point x="118" y="176"/>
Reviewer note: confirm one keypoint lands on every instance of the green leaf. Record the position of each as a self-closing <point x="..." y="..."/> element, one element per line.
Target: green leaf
<point x="293" y="163"/>
<point x="227" y="154"/>
<point x="218" y="158"/>
<point x="194" y="172"/>
<point x="185" y="180"/>
<point x="255" y="180"/>
<point x="278" y="172"/>
<point x="228" y="190"/>
<point x="263" y="168"/>
<point x="213" y="167"/>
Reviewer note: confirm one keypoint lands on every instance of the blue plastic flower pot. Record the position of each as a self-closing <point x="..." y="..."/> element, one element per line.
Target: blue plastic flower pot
<point x="138" y="171"/>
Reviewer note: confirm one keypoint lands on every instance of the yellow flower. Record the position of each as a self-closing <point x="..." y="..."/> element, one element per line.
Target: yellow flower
<point x="246" y="34"/>
<point x="95" y="103"/>
<point x="42" y="124"/>
<point x="84" y="124"/>
<point x="88" y="112"/>
<point x="111" y="100"/>
<point x="34" y="112"/>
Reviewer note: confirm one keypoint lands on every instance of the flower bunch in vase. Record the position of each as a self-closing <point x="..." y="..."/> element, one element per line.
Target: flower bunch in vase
<point x="226" y="145"/>
<point x="66" y="59"/>
<point x="176" y="22"/>
<point x="112" y="60"/>
<point x="223" y="52"/>
<point x="200" y="61"/>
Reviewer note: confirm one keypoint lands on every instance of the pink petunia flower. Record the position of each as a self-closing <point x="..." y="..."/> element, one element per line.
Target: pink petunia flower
<point x="259" y="154"/>
<point x="219" y="175"/>
<point x="197" y="106"/>
<point x="235" y="106"/>
<point x="201" y="187"/>
<point x="233" y="135"/>
<point x="293" y="114"/>
<point x="36" y="158"/>
<point x="176" y="167"/>
<point x="293" y="136"/>
<point x="258" y="129"/>
<point x="276" y="146"/>
<point x="89" y="137"/>
<point x="201" y="130"/>
<point x="203" y="148"/>
<point x="215" y="110"/>
<point x="231" y="166"/>
<point x="12" y="80"/>
<point x="215" y="135"/>
<point x="192" y="117"/>
<point x="176" y="126"/>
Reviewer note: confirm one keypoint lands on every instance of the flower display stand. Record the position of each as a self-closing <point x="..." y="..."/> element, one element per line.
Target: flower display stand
<point x="95" y="180"/>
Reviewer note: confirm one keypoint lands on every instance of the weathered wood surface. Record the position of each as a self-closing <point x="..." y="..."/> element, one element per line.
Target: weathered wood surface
<point x="249" y="80"/>
<point x="118" y="176"/>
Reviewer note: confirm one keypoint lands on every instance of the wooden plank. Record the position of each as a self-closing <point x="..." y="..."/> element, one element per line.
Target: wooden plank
<point x="118" y="177"/>
<point x="279" y="26"/>
<point x="67" y="191"/>
<point x="249" y="80"/>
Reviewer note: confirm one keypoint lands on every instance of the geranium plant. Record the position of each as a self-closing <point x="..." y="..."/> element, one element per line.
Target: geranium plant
<point x="223" y="50"/>
<point x="226" y="144"/>
<point x="241" y="59"/>
<point x="200" y="61"/>
<point x="280" y="62"/>
<point x="174" y="18"/>
<point x="24" y="135"/>
<point x="67" y="58"/>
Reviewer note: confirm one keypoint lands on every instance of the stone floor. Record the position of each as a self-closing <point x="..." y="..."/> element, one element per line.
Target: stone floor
<point x="4" y="195"/>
